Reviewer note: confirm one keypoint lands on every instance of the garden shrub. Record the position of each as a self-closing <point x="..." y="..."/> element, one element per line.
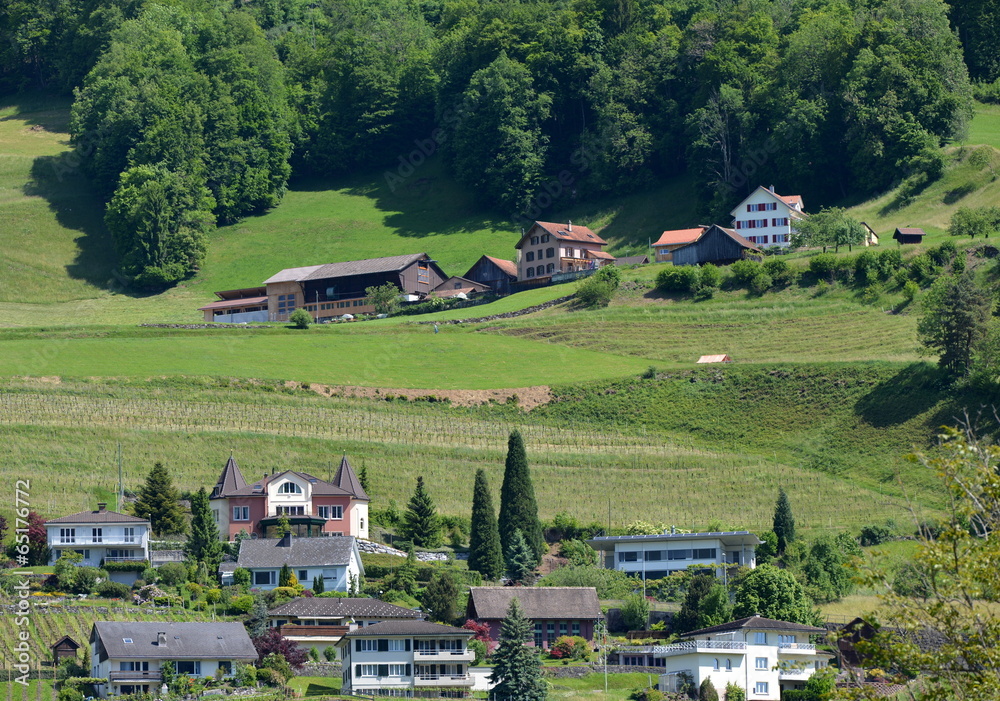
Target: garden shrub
<point x="330" y="653"/>
<point x="173" y="573"/>
<point x="873" y="534"/>
<point x="866" y="268"/>
<point x="594" y="292"/>
<point x="242" y="604"/>
<point x="761" y="283"/>
<point x="823" y="265"/>
<point x="678" y="278"/>
<point x="889" y="261"/>
<point x="744" y="271"/>
<point x="300" y="318"/>
<point x="711" y="276"/>
<point x="781" y="273"/>
<point x="270" y="677"/>
<point x="113" y="590"/>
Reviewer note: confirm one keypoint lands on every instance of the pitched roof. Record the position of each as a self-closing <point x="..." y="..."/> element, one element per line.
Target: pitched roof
<point x="508" y="266"/>
<point x="231" y="303"/>
<point x="567" y="232"/>
<point x="470" y="284"/>
<point x="600" y="254"/>
<point x="336" y="607"/>
<point x="319" y="487"/>
<point x="230" y="480"/>
<point x="755" y="623"/>
<point x="911" y="231"/>
<point x="731" y="233"/>
<point x="301" y="552"/>
<point x="65" y="639"/>
<point x="348" y="481"/>
<point x="715" y="359"/>
<point x="195" y="640"/>
<point x="632" y="260"/>
<point x="537" y="602"/>
<point x="292" y="274"/>
<point x="98" y="516"/>
<point x="407" y="628"/>
<point x="389" y="264"/>
<point x="676" y="236"/>
<point x="793" y="202"/>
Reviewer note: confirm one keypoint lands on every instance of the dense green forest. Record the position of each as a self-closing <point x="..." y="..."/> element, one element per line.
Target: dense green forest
<point x="189" y="113"/>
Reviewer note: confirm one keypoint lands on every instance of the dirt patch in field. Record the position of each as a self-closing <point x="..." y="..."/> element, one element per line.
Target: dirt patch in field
<point x="526" y="397"/>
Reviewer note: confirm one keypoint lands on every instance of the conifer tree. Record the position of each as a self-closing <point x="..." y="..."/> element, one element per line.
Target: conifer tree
<point x="421" y="525"/>
<point x="159" y="502"/>
<point x="485" y="555"/>
<point x="518" y="508"/>
<point x="440" y="599"/>
<point x="517" y="668"/>
<point x="203" y="545"/>
<point x="784" y="522"/>
<point x="520" y="559"/>
<point x="363" y="478"/>
<point x="285" y="576"/>
<point x="318" y="586"/>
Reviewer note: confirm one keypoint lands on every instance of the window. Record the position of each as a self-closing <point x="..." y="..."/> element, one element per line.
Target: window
<point x="128" y="534"/>
<point x="67" y="535"/>
<point x="530" y="256"/>
<point x="304" y="575"/>
<point x="97" y="534"/>
<point x="653" y="555"/>
<point x="550" y="252"/>
<point x="761" y="663"/>
<point x="563" y="628"/>
<point x="423" y="276"/>
<point x="226" y="667"/>
<point x="127" y="641"/>
<point x="192" y="667"/>
<point x="289" y="488"/>
<point x="538" y="635"/>
<point x="576" y="627"/>
<point x="397" y="645"/>
<point x="779" y="221"/>
<point x="786" y="639"/>
<point x="628" y="557"/>
<point x="729" y="665"/>
<point x="550" y="267"/>
<point x="704" y="553"/>
<point x="716" y="665"/>
<point x="531" y="272"/>
<point x="545" y="239"/>
<point x="760" y="638"/>
<point x="369" y="670"/>
<point x="678" y="554"/>
<point x="760" y="688"/>
<point x="215" y="515"/>
<point x="265" y="577"/>
<point x="241" y="513"/>
<point x="366" y="645"/>
<point x="534" y="240"/>
<point x="397" y="670"/>
<point x="290" y="510"/>
<point x="133" y="666"/>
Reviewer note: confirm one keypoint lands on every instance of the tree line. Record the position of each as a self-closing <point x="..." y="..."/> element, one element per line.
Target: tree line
<point x="193" y="113"/>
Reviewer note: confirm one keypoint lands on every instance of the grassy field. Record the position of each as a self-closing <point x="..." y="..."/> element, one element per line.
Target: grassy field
<point x="620" y="686"/>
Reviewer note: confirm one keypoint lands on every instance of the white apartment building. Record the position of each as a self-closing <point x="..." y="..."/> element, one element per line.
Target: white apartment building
<point x="100" y="536"/>
<point x="656" y="556"/>
<point x="766" y="218"/>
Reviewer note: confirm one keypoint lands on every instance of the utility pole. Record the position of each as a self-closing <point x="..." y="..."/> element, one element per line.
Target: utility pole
<point x="121" y="483"/>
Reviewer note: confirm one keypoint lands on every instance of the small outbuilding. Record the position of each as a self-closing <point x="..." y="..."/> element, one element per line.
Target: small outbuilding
<point x="715" y="359"/>
<point x="496" y="273"/>
<point x="909" y="235"/>
<point x="632" y="260"/>
<point x="64" y="648"/>
<point x="716" y="245"/>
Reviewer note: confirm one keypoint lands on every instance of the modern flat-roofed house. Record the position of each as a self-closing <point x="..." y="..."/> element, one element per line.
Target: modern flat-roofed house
<point x="761" y="655"/>
<point x="547" y="249"/>
<point x="669" y="241"/>
<point x="322" y="621"/>
<point x="766" y="218"/>
<point x="553" y="611"/>
<point x="495" y="272"/>
<point x="100" y="536"/>
<point x="407" y="658"/>
<point x="336" y="560"/>
<point x="131" y="655"/>
<point x="313" y="506"/>
<point x="656" y="556"/>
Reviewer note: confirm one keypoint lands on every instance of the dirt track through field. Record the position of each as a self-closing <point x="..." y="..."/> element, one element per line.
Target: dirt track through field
<point x="526" y="397"/>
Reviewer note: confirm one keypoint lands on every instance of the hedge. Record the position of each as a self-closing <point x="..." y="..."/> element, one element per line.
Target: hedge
<point x="125" y="566"/>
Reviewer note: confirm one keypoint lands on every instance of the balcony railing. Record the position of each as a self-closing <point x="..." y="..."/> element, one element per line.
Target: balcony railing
<point x="103" y="540"/>
<point x="686" y="647"/>
<point x="120" y="558"/>
<point x="292" y="629"/>
<point x="144" y="676"/>
<point x="793" y="673"/>
<point x="443" y="679"/>
<point x="436" y="653"/>
<point x="797" y="646"/>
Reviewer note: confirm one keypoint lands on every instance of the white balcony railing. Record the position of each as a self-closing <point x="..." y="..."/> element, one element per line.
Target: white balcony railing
<point x="686" y="647"/>
<point x="104" y="540"/>
<point x="797" y="646"/>
<point x="439" y="653"/>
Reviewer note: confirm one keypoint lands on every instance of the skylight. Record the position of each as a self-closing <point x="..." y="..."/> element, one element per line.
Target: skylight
<point x="127" y="640"/>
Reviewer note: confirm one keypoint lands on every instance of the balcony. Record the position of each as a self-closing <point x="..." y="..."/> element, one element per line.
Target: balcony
<point x="796" y="647"/>
<point x="291" y="630"/>
<point x="428" y="656"/>
<point x="133" y="541"/>
<point x="443" y="680"/>
<point x="119" y="558"/>
<point x="135" y="677"/>
<point x="689" y="646"/>
<point x="793" y="673"/>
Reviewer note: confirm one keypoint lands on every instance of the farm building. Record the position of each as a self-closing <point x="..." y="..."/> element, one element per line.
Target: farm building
<point x="715" y="359"/>
<point x="632" y="260"/>
<point x="871" y="238"/>
<point x="456" y="285"/>
<point x="495" y="272"/>
<point x="905" y="235"/>
<point x="670" y="241"/>
<point x="716" y="245"/>
<point x="767" y="218"/>
<point x="64" y="648"/>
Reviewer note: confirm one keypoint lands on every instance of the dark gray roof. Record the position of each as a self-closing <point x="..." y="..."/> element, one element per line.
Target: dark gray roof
<point x="201" y="640"/>
<point x="725" y="537"/>
<point x="406" y="628"/>
<point x="231" y="480"/>
<point x="632" y="260"/>
<point x="302" y="552"/>
<point x="389" y="264"/>
<point x="319" y="487"/>
<point x="537" y="602"/>
<point x="98" y="516"/>
<point x="337" y="607"/>
<point x="756" y="623"/>
<point x="348" y="481"/>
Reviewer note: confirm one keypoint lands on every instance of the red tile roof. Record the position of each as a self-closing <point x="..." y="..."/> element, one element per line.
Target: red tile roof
<point x="569" y="232"/>
<point x="600" y="254"/>
<point x="508" y="266"/>
<point x="791" y="199"/>
<point x="677" y="236"/>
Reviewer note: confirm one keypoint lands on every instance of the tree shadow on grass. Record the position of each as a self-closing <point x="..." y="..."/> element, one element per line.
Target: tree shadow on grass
<point x="909" y="393"/>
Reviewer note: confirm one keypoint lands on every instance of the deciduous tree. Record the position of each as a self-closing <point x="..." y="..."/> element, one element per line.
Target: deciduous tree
<point x="773" y="593"/>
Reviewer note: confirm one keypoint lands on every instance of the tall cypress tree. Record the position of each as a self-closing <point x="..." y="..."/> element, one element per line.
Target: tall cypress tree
<point x="159" y="501"/>
<point x="784" y="522"/>
<point x="421" y="524"/>
<point x="517" y="668"/>
<point x="203" y="545"/>
<point x="518" y="508"/>
<point x="485" y="555"/>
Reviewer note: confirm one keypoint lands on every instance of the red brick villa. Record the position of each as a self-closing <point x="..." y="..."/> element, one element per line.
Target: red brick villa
<point x="314" y="507"/>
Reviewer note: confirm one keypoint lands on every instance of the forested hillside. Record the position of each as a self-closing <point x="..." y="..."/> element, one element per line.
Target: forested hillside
<point x="190" y="113"/>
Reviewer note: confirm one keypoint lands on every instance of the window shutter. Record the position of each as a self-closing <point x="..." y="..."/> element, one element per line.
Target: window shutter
<point x="357" y="645"/>
<point x="383" y="645"/>
<point x="406" y="646"/>
<point x="357" y="671"/>
<point x="383" y="670"/>
<point x="408" y="673"/>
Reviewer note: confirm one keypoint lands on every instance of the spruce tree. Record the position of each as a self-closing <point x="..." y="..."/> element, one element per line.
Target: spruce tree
<point x="518" y="508"/>
<point x="485" y="555"/>
<point x="440" y="598"/>
<point x="520" y="559"/>
<point x="285" y="576"/>
<point x="784" y="522"/>
<point x="517" y="668"/>
<point x="421" y="525"/>
<point x="203" y="545"/>
<point x="159" y="502"/>
<point x="363" y="478"/>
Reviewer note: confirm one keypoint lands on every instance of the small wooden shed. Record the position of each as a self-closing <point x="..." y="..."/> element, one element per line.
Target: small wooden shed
<point x="64" y="648"/>
<point x="715" y="359"/>
<point x="909" y="235"/>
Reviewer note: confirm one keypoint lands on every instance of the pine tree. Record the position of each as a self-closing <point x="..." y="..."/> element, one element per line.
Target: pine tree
<point x="285" y="576"/>
<point x="485" y="555"/>
<point x="517" y="668"/>
<point x="159" y="501"/>
<point x="203" y="545"/>
<point x="520" y="559"/>
<point x="421" y="525"/>
<point x="518" y="508"/>
<point x="784" y="522"/>
<point x="363" y="478"/>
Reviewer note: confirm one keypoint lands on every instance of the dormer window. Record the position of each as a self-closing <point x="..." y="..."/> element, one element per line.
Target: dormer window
<point x="289" y="488"/>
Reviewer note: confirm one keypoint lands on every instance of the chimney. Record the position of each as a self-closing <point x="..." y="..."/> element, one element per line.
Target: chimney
<point x="772" y="189"/>
<point x="161" y="639"/>
<point x="102" y="506"/>
<point x="673" y="530"/>
<point x="286" y="541"/>
<point x="569" y="226"/>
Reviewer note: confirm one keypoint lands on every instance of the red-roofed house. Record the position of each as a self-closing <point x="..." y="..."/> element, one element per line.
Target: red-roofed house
<point x="766" y="218"/>
<point x="313" y="506"/>
<point x="674" y="239"/>
<point x="548" y="248"/>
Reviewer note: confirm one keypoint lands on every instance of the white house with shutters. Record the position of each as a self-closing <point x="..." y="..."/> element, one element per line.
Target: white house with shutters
<point x="766" y="218"/>
<point x="100" y="536"/>
<point x="761" y="655"/>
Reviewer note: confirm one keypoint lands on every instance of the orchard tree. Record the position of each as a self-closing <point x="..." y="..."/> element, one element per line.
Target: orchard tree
<point x="955" y="320"/>
<point x="385" y="298"/>
<point x="485" y="553"/>
<point x="517" y="668"/>
<point x="518" y="508"/>
<point x="159" y="501"/>
<point x="421" y="524"/>
<point x="974" y="221"/>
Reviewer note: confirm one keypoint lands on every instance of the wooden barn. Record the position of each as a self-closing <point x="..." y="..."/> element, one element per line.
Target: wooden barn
<point x="495" y="272"/>
<point x="716" y="245"/>
<point x="909" y="235"/>
<point x="65" y="647"/>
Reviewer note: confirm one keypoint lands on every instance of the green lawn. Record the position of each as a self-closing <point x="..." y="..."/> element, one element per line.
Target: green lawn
<point x="315" y="686"/>
<point x="985" y="126"/>
<point x="620" y="686"/>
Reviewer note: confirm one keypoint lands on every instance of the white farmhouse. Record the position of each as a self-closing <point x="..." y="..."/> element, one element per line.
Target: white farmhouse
<point x="767" y="218"/>
<point x="656" y="556"/>
<point x="100" y="536"/>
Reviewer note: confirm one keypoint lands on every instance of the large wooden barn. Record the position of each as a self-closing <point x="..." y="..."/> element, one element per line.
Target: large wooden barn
<point x="716" y="245"/>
